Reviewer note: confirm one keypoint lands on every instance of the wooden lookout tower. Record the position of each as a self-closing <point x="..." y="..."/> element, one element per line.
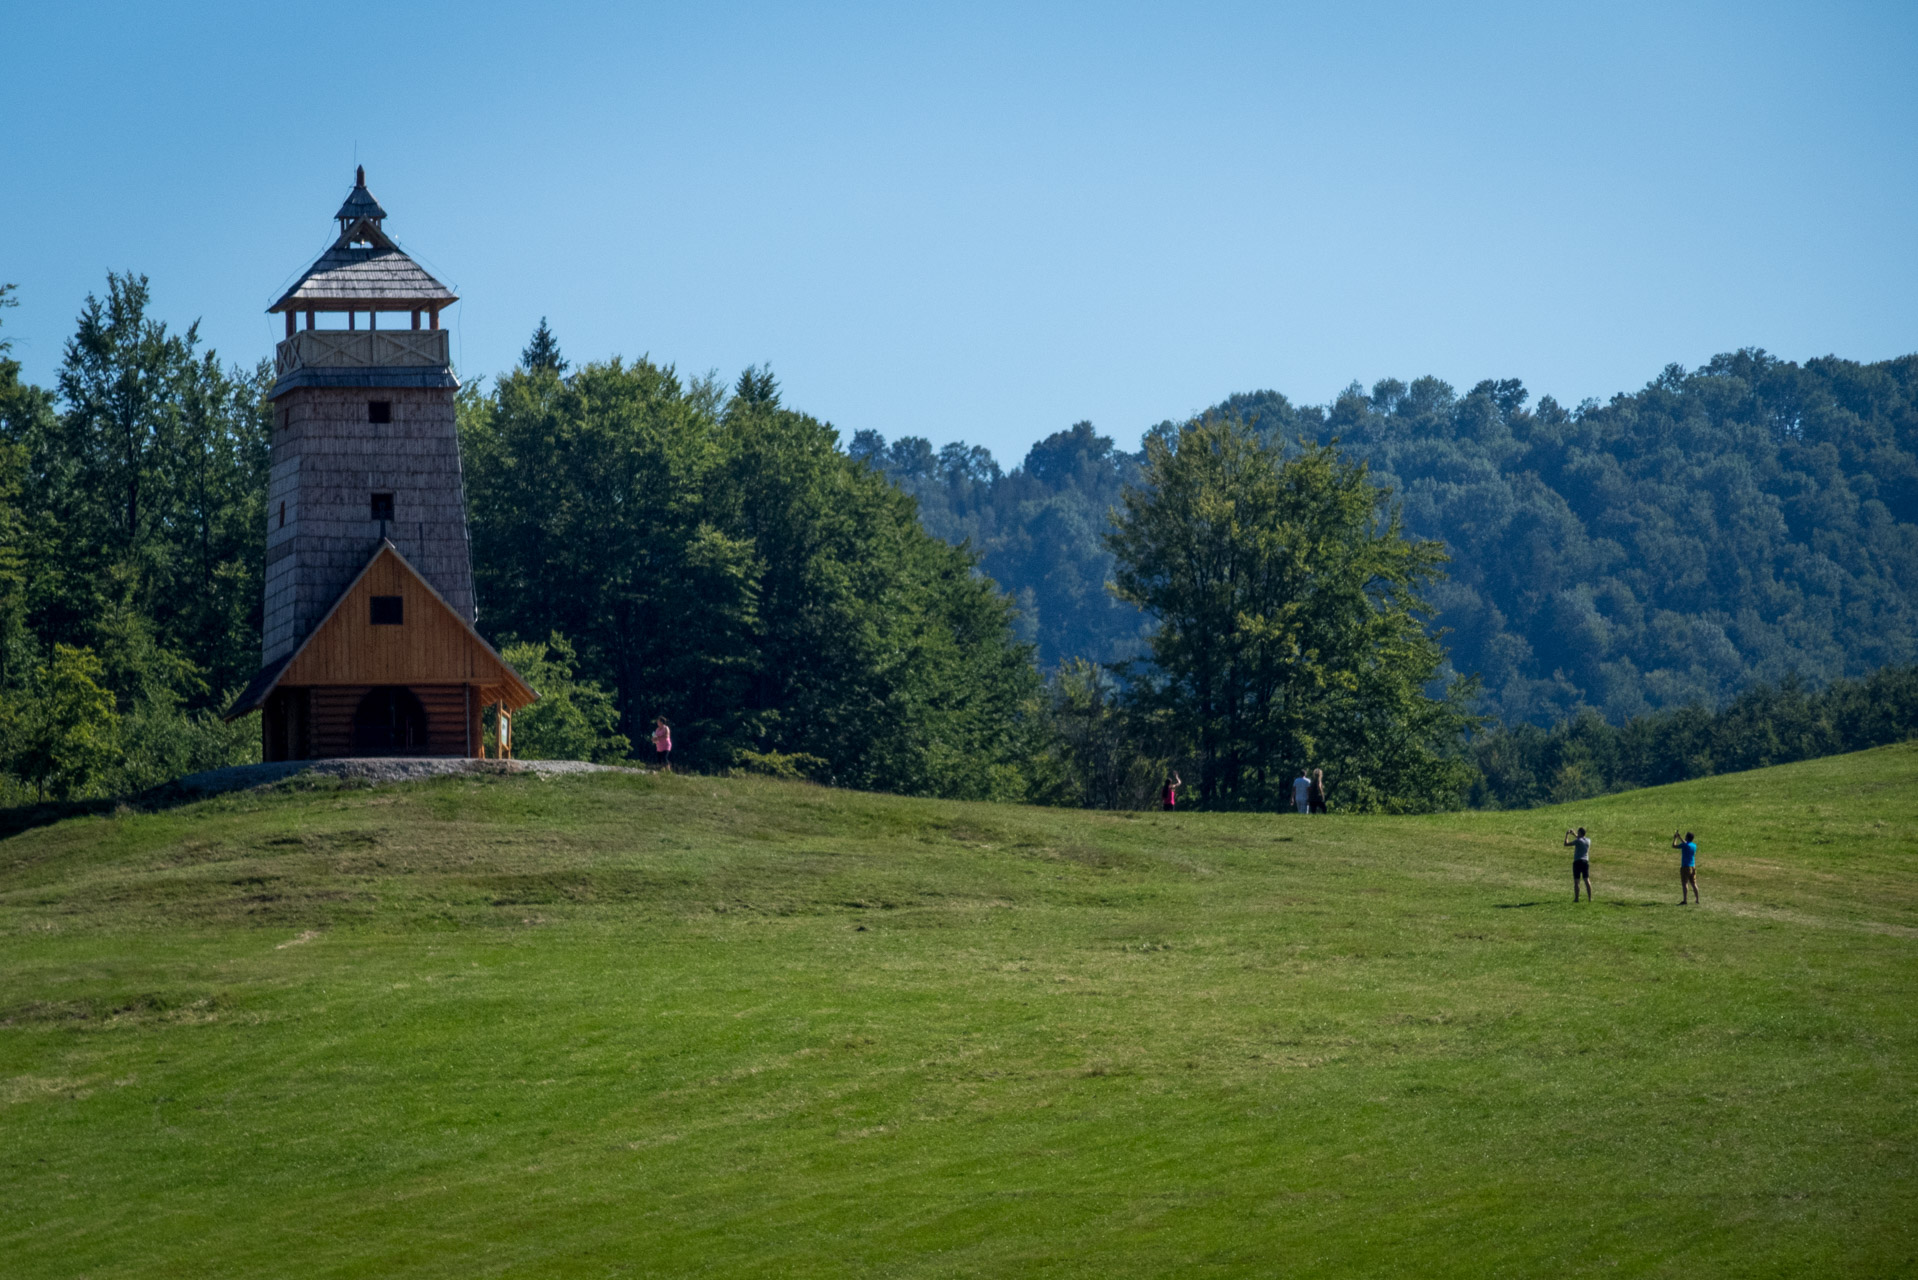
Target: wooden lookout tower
<point x="368" y="640"/>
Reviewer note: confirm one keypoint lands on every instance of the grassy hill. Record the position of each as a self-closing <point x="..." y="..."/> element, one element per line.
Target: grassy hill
<point x="621" y="1025"/>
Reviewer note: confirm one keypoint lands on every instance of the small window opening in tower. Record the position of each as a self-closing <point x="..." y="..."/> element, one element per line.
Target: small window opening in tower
<point x="379" y="411"/>
<point x="382" y="506"/>
<point x="388" y="611"/>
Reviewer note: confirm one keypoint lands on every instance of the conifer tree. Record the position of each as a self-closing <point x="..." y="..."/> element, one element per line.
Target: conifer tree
<point x="757" y="386"/>
<point x="542" y="353"/>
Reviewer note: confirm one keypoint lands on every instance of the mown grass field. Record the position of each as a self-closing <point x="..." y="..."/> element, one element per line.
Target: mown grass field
<point x="681" y="1026"/>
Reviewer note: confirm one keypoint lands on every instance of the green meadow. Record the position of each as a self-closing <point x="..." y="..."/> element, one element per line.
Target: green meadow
<point x="642" y="1025"/>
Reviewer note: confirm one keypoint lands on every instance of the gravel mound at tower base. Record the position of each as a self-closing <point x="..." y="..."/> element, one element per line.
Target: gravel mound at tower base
<point x="375" y="769"/>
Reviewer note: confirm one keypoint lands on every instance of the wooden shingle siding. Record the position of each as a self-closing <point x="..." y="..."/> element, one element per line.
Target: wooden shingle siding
<point x="328" y="459"/>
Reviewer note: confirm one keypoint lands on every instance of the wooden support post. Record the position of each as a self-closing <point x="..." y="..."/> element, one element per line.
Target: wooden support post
<point x="352" y="320"/>
<point x="309" y="318"/>
<point x="416" y="317"/>
<point x="436" y="317"/>
<point x="289" y="324"/>
<point x="372" y="319"/>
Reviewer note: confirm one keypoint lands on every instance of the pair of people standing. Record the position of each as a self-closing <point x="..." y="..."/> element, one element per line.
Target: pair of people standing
<point x="1308" y="791"/>
<point x="1581" y="846"/>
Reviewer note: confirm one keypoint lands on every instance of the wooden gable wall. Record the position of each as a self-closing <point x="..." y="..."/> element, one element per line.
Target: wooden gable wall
<point x="432" y="646"/>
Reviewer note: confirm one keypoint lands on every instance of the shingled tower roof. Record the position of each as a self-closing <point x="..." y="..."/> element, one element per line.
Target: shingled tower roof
<point x="364" y="270"/>
<point x="360" y="203"/>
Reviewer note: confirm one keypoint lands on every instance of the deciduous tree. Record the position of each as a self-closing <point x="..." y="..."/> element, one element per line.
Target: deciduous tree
<point x="1291" y="628"/>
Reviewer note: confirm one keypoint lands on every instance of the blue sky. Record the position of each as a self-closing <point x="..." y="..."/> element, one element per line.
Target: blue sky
<point x="987" y="222"/>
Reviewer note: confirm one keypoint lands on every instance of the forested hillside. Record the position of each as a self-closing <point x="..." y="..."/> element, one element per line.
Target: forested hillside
<point x="718" y="560"/>
<point x="132" y="545"/>
<point x="1038" y="531"/>
<point x="646" y="544"/>
<point x="1748" y="521"/>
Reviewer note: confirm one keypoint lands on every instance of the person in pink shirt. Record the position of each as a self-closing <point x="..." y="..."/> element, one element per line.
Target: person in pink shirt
<point x="663" y="742"/>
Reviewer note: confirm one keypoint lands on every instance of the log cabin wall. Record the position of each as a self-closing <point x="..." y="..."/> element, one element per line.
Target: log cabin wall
<point x="451" y="719"/>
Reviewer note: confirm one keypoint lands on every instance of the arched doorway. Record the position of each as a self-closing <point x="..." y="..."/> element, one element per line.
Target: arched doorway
<point x="389" y="721"/>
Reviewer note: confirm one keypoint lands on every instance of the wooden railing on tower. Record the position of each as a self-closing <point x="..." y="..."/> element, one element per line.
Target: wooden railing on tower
<point x="361" y="349"/>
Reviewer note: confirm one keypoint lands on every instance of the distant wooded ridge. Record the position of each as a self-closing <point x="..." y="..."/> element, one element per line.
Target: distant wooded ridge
<point x="792" y="603"/>
<point x="1749" y="521"/>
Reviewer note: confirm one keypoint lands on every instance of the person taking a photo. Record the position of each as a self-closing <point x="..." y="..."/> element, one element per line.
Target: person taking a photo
<point x="1687" y="866"/>
<point x="1581" y="846"/>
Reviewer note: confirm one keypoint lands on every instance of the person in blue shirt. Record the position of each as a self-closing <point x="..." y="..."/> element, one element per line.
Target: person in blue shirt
<point x="1687" y="866"/>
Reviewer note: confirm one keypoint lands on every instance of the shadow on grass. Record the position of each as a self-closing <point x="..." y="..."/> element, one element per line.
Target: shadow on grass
<point x="48" y="812"/>
<point x="168" y="795"/>
<point x="1514" y="906"/>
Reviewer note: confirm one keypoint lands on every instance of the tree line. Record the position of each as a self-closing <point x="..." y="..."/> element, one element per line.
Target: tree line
<point x="717" y="560"/>
<point x="132" y="536"/>
<point x="1522" y="765"/>
<point x="1258" y="589"/>
<point x="1744" y="522"/>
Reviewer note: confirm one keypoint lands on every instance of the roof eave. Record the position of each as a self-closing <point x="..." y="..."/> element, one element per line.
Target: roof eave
<point x="395" y="302"/>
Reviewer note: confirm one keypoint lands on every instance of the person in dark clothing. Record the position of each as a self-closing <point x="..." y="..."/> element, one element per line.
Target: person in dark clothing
<point x="1315" y="795"/>
<point x="1581" y="847"/>
<point x="1171" y="794"/>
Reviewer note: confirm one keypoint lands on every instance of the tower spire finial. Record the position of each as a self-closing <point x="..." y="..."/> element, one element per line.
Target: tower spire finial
<point x="361" y="211"/>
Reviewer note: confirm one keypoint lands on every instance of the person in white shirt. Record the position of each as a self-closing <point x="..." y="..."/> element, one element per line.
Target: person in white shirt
<point x="1302" y="792"/>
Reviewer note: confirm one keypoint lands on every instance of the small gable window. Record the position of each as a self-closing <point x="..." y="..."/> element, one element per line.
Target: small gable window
<point x="389" y="611"/>
<point x="382" y="506"/>
<point x="379" y="411"/>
